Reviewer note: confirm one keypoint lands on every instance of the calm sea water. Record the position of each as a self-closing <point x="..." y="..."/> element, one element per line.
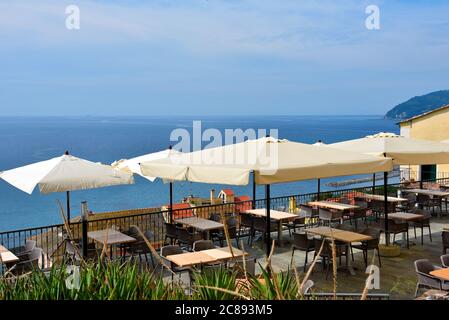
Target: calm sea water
<point x="106" y="139"/>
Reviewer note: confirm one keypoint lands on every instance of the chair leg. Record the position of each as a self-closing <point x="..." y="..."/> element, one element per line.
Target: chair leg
<point x="408" y="243"/>
<point x="305" y="262"/>
<point x="378" y="257"/>
<point x="422" y="235"/>
<point x="352" y="254"/>
<point x="430" y="233"/>
<point x="417" y="290"/>
<point x="414" y="230"/>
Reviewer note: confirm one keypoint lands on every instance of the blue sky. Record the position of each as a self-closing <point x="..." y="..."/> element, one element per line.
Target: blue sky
<point x="219" y="57"/>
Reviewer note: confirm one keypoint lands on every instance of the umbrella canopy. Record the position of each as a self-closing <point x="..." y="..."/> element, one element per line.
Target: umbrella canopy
<point x="133" y="165"/>
<point x="405" y="151"/>
<point x="272" y="161"/>
<point x="65" y="173"/>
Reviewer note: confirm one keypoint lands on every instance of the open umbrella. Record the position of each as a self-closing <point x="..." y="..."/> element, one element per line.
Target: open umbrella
<point x="64" y="174"/>
<point x="270" y="160"/>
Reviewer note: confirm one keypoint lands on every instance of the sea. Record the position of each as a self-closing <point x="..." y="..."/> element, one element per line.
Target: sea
<point x="25" y="140"/>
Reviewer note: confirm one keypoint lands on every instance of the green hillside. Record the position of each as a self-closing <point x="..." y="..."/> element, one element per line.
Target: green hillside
<point x="419" y="105"/>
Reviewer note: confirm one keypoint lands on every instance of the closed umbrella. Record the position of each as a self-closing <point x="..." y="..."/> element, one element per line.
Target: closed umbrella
<point x="64" y="174"/>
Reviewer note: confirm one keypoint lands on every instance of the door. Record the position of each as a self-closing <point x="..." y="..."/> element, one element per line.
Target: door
<point x="429" y="172"/>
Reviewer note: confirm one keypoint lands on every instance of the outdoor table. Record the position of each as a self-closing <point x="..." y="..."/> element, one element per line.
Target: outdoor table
<point x="441" y="273"/>
<point x="110" y="237"/>
<point x="446" y="227"/>
<point x="279" y="216"/>
<point x="189" y="259"/>
<point x="347" y="237"/>
<point x="405" y="216"/>
<point x="203" y="225"/>
<point x="376" y="197"/>
<point x="7" y="256"/>
<point x="436" y="193"/>
<point x="333" y="205"/>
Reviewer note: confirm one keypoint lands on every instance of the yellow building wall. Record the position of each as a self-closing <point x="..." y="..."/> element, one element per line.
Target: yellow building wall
<point x="433" y="126"/>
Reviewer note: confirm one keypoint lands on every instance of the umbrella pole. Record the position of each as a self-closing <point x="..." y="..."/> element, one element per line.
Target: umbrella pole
<point x="267" y="197"/>
<point x="171" y="202"/>
<point x="68" y="205"/>
<point x="319" y="189"/>
<point x="374" y="184"/>
<point x="387" y="238"/>
<point x="254" y="190"/>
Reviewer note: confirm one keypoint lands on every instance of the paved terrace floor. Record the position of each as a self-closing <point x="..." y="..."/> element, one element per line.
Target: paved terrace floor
<point x="397" y="275"/>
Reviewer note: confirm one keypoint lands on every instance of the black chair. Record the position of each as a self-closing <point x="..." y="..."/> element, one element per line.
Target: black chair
<point x="26" y="266"/>
<point x="139" y="247"/>
<point x="395" y="228"/>
<point x="422" y="223"/>
<point x="239" y="268"/>
<point x="201" y="245"/>
<point x="260" y="226"/>
<point x="297" y="223"/>
<point x="246" y="225"/>
<point x="445" y="260"/>
<point x="302" y="242"/>
<point x="187" y="236"/>
<point x="23" y="252"/>
<point x="232" y="232"/>
<point x="170" y="233"/>
<point x="423" y="267"/>
<point x="445" y="238"/>
<point x="171" y="250"/>
<point x="215" y="217"/>
<point x="368" y="245"/>
<point x="428" y="202"/>
<point x="326" y="253"/>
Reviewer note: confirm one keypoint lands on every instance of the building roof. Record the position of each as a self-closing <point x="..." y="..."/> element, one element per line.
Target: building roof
<point x="424" y="114"/>
<point x="242" y="198"/>
<point x="228" y="192"/>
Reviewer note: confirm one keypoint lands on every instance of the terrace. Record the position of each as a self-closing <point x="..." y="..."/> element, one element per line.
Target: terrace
<point x="397" y="274"/>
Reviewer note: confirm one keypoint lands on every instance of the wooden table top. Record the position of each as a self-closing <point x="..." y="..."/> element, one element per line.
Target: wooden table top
<point x="200" y="223"/>
<point x="110" y="236"/>
<point x="189" y="259"/>
<point x="274" y="214"/>
<point x="376" y="197"/>
<point x="333" y="205"/>
<point x="446" y="227"/>
<point x="340" y="235"/>
<point x="441" y="273"/>
<point x="7" y="256"/>
<point x="437" y="193"/>
<point x="405" y="216"/>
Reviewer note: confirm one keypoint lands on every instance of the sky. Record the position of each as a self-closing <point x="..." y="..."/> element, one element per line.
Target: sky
<point x="217" y="57"/>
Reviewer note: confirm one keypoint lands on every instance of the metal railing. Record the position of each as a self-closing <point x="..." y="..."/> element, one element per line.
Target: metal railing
<point x="51" y="238"/>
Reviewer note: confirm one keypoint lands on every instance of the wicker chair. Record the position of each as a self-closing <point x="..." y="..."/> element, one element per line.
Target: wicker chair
<point x="23" y="252"/>
<point x="326" y="253"/>
<point x="445" y="260"/>
<point x="246" y="226"/>
<point x="368" y="245"/>
<point x="201" y="245"/>
<point x="302" y="242"/>
<point x="445" y="238"/>
<point x="171" y="233"/>
<point x="250" y="264"/>
<point x="423" y="267"/>
<point x="395" y="228"/>
<point x="220" y="236"/>
<point x="308" y="213"/>
<point x="329" y="216"/>
<point x="187" y="236"/>
<point x="26" y="266"/>
<point x="171" y="250"/>
<point x="422" y="223"/>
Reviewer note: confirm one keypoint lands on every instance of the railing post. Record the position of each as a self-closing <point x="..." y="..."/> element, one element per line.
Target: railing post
<point x="387" y="238"/>
<point x="268" y="227"/>
<point x="84" y="227"/>
<point x="254" y="191"/>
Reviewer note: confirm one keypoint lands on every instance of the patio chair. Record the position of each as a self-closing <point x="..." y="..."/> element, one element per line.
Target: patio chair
<point x="445" y="238"/>
<point x="422" y="223"/>
<point x="395" y="228"/>
<point x="201" y="245"/>
<point x="368" y="245"/>
<point x="187" y="236"/>
<point x="171" y="250"/>
<point x="27" y="266"/>
<point x="410" y="204"/>
<point x="423" y="267"/>
<point x="260" y="226"/>
<point x="299" y="223"/>
<point x="246" y="225"/>
<point x="307" y="286"/>
<point x="310" y="214"/>
<point x="430" y="203"/>
<point x="250" y="263"/>
<point x="326" y="253"/>
<point x="328" y="216"/>
<point x="302" y="242"/>
<point x="170" y="233"/>
<point x="220" y="236"/>
<point x="23" y="252"/>
<point x="215" y="217"/>
<point x="445" y="260"/>
<point x="139" y="247"/>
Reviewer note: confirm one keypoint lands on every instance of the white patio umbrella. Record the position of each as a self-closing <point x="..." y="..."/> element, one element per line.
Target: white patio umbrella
<point x="402" y="150"/>
<point x="270" y="160"/>
<point x="64" y="174"/>
<point x="133" y="166"/>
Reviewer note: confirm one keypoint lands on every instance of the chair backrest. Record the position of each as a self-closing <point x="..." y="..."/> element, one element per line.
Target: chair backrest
<point x="325" y="214"/>
<point x="36" y="254"/>
<point x="215" y="217"/>
<point x="305" y="211"/>
<point x="259" y="223"/>
<point x="424" y="266"/>
<point x="445" y="260"/>
<point x="445" y="238"/>
<point x="30" y="245"/>
<point x="170" y="229"/>
<point x="149" y="235"/>
<point x="201" y="245"/>
<point x="170" y="250"/>
<point x="246" y="220"/>
<point x="250" y="264"/>
<point x="301" y="240"/>
<point x="307" y="286"/>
